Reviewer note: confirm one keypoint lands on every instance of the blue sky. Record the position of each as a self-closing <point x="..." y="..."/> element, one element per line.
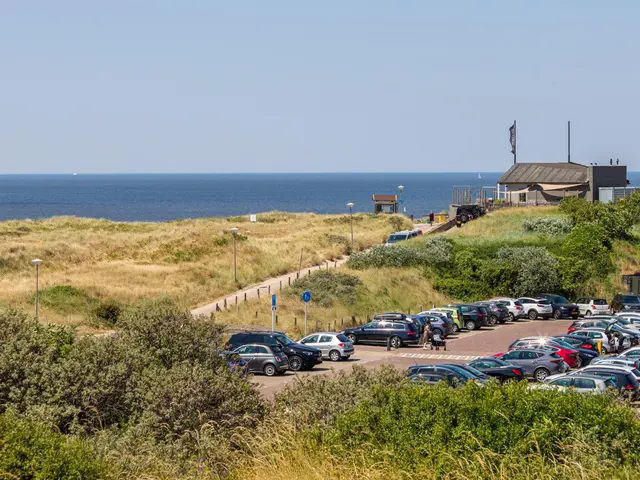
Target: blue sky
<point x="331" y="86"/>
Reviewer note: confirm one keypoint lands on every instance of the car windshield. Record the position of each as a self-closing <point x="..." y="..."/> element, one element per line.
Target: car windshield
<point x="475" y="371"/>
<point x="342" y="338"/>
<point x="396" y="238"/>
<point x="284" y="340"/>
<point x="560" y="299"/>
<point x="462" y="371"/>
<point x="543" y="301"/>
<point x="599" y="301"/>
<point x="562" y="343"/>
<point x="629" y="299"/>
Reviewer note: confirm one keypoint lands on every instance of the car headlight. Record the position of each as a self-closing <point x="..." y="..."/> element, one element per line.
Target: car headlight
<point x="308" y="353"/>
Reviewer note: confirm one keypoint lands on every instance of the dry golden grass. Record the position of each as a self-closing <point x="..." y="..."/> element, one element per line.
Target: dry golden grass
<point x="382" y="290"/>
<point x="189" y="260"/>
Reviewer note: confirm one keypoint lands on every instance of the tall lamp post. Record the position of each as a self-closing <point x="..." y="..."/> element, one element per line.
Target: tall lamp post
<point x="350" y="205"/>
<point x="234" y="230"/>
<point x="36" y="262"/>
<point x="404" y="209"/>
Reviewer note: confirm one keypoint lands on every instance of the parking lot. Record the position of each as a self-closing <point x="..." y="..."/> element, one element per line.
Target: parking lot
<point x="460" y="348"/>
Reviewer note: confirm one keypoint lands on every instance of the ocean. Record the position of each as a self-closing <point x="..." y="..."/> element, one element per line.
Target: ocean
<point x="161" y="197"/>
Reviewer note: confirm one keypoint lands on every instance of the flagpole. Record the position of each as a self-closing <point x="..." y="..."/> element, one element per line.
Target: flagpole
<point x="515" y="142"/>
<point x="569" y="141"/>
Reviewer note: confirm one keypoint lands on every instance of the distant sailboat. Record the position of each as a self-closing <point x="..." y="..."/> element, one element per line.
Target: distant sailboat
<point x="479" y="176"/>
<point x="74" y="174"/>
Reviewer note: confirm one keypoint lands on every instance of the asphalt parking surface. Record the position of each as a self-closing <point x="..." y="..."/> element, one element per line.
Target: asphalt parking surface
<point x="460" y="348"/>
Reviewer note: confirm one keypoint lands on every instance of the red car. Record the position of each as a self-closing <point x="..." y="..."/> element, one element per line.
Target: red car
<point x="570" y="356"/>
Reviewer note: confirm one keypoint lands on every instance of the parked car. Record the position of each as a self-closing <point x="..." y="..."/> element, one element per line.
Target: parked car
<point x="464" y="213"/>
<point x="619" y="361"/>
<point x="632" y="353"/>
<point x="536" y="308"/>
<point x="234" y="361"/>
<point x="433" y="378"/>
<point x="400" y="317"/>
<point x="598" y="335"/>
<point x="536" y="363"/>
<point x="569" y="355"/>
<point x="498" y="312"/>
<point x="461" y="375"/>
<point x="634" y="371"/>
<point x="399" y="333"/>
<point x="593" y="306"/>
<point x="584" y="343"/>
<point x="267" y="359"/>
<point x="451" y="313"/>
<point x="399" y="237"/>
<point x="626" y="381"/>
<point x="494" y="367"/>
<point x="300" y="356"/>
<point x="334" y="346"/>
<point x="561" y="306"/>
<point x="439" y="324"/>
<point x="472" y="316"/>
<point x="515" y="308"/>
<point x="629" y="322"/>
<point x="628" y="337"/>
<point x="581" y="383"/>
<point x="624" y="301"/>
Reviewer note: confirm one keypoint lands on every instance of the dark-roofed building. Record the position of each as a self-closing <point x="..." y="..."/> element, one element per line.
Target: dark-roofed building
<point x="539" y="183"/>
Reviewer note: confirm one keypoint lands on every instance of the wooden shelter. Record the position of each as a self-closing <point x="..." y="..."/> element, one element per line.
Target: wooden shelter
<point x="385" y="203"/>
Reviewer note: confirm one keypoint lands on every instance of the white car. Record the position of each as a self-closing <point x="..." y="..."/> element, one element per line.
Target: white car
<point x="334" y="346"/>
<point x="581" y="383"/>
<point x="536" y="307"/>
<point x="633" y="353"/>
<point x="635" y="371"/>
<point x="516" y="310"/>
<point x="593" y="306"/>
<point x="620" y="361"/>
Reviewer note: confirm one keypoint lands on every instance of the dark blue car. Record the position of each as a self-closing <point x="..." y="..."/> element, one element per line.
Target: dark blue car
<point x="400" y="333"/>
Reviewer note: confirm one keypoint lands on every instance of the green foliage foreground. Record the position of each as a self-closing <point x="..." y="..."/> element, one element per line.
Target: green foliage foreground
<point x="157" y="401"/>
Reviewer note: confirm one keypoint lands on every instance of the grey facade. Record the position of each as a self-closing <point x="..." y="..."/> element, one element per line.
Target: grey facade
<point x="605" y="176"/>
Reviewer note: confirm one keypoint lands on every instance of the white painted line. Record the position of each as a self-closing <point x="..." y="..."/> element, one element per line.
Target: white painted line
<point x="438" y="356"/>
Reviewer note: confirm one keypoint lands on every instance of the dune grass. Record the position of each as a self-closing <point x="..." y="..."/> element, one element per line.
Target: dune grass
<point x="87" y="261"/>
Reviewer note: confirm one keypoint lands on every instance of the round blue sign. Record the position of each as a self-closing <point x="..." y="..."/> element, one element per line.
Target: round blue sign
<point x="306" y="296"/>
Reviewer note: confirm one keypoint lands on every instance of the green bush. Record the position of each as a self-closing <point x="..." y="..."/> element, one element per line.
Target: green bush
<point x="30" y="450"/>
<point x="108" y="312"/>
<point x="420" y="427"/>
<point x="548" y="225"/>
<point x="537" y="269"/>
<point x="326" y="286"/>
<point x="616" y="218"/>
<point x="67" y="299"/>
<point x="432" y="251"/>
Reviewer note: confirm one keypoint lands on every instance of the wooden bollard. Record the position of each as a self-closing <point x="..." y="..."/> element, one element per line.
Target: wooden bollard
<point x="335" y="325"/>
<point x="289" y="281"/>
<point x="236" y="299"/>
<point x="316" y="325"/>
<point x="295" y="321"/>
<point x="409" y="311"/>
<point x="421" y="309"/>
<point x="269" y="289"/>
<point x="280" y="284"/>
<point x="258" y="290"/>
<point x="245" y="296"/>
<point x="329" y="327"/>
<point x="353" y="320"/>
<point x="218" y="308"/>
<point x="225" y="303"/>
<point x="256" y="314"/>
<point x="341" y="322"/>
<point x="276" y="319"/>
<point x="309" y="271"/>
<point x="297" y="274"/>
<point x="335" y="264"/>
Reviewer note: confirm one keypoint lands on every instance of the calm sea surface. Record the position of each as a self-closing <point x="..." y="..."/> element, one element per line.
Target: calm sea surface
<point x="172" y="196"/>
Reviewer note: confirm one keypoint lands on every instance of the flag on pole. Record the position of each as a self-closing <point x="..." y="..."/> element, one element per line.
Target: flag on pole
<point x="512" y="137"/>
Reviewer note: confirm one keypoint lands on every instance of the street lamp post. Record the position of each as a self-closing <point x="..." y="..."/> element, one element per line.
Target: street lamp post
<point x="234" y="230"/>
<point x="350" y="205"/>
<point x="404" y="209"/>
<point x="37" y="262"/>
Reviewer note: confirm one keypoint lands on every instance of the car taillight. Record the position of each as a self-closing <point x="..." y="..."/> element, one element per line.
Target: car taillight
<point x="479" y="315"/>
<point x="541" y="305"/>
<point x="629" y="387"/>
<point x="593" y="306"/>
<point x="516" y="371"/>
<point x="341" y="344"/>
<point x="587" y="346"/>
<point x="518" y="307"/>
<point x="278" y="359"/>
<point x="571" y="329"/>
<point x="557" y="361"/>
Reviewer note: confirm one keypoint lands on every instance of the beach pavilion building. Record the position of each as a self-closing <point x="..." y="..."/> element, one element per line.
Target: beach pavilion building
<point x="549" y="183"/>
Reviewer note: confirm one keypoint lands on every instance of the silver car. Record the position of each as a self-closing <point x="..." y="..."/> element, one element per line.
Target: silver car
<point x="334" y="346"/>
<point x="538" y="364"/>
<point x="516" y="309"/>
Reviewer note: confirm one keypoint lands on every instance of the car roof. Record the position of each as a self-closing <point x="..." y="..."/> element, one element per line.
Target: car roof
<point x="529" y="349"/>
<point x="323" y="333"/>
<point x="607" y="366"/>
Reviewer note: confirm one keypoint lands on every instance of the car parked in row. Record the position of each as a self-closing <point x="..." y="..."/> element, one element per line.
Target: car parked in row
<point x="497" y="311"/>
<point x="536" y="308"/>
<point x="398" y="333"/>
<point x="457" y="374"/>
<point x="580" y="383"/>
<point x="267" y="359"/>
<point x="561" y="307"/>
<point x="588" y="306"/>
<point x="626" y="380"/>
<point x="499" y="369"/>
<point x="536" y="363"/>
<point x="624" y="302"/>
<point x="472" y="316"/>
<point x="334" y="346"/>
<point x="300" y="357"/>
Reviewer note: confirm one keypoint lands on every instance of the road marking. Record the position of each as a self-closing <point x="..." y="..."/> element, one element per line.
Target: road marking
<point x="438" y="356"/>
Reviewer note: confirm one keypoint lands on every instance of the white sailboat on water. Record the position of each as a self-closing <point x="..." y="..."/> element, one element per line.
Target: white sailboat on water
<point x="479" y="176"/>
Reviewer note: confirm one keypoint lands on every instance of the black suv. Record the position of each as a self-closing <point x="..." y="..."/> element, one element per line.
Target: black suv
<point x="497" y="311"/>
<point x="473" y="316"/>
<point x="464" y="213"/>
<point x="400" y="333"/>
<point x="300" y="356"/>
<point x="561" y="306"/>
<point x="625" y="302"/>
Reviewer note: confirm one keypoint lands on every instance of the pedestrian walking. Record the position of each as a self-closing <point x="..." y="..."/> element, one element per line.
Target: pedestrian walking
<point x="616" y="343"/>
<point x="431" y="217"/>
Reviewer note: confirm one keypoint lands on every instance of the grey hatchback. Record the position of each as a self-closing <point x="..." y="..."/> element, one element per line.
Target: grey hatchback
<point x="267" y="359"/>
<point x="333" y="345"/>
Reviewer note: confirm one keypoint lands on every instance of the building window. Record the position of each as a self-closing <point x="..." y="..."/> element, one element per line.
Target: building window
<point x="522" y="198"/>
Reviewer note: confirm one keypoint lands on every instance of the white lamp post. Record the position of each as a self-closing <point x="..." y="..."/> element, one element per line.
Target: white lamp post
<point x="350" y="205"/>
<point x="234" y="230"/>
<point x="404" y="209"/>
<point x="37" y="262"/>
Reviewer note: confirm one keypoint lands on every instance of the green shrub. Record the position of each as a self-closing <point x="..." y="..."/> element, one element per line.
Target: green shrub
<point x="537" y="269"/>
<point x="616" y="218"/>
<point x="30" y="450"/>
<point x="548" y="225"/>
<point x="108" y="312"/>
<point x="326" y="286"/>
<point x="67" y="299"/>
<point x="432" y="251"/>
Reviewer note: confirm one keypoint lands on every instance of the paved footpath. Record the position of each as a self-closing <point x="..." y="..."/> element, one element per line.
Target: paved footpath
<point x="272" y="285"/>
<point x="460" y="348"/>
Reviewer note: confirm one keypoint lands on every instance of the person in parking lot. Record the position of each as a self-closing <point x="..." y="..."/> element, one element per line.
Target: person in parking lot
<point x="426" y="337"/>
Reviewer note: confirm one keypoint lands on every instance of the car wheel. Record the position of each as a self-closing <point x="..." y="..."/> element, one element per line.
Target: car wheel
<point x="295" y="363"/>
<point x="346" y="357"/>
<point x="587" y="313"/>
<point x="493" y="320"/>
<point x="456" y="328"/>
<point x="540" y="374"/>
<point x="352" y="338"/>
<point x="334" y="356"/>
<point x="557" y="314"/>
<point x="512" y="317"/>
<point x="470" y="324"/>
<point x="532" y="314"/>
<point x="575" y="317"/>
<point x="464" y="218"/>
<point x="270" y="370"/>
<point x="396" y="342"/>
<point x="503" y="321"/>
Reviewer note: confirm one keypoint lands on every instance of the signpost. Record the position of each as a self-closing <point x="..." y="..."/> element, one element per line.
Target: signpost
<point x="273" y="312"/>
<point x="306" y="297"/>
